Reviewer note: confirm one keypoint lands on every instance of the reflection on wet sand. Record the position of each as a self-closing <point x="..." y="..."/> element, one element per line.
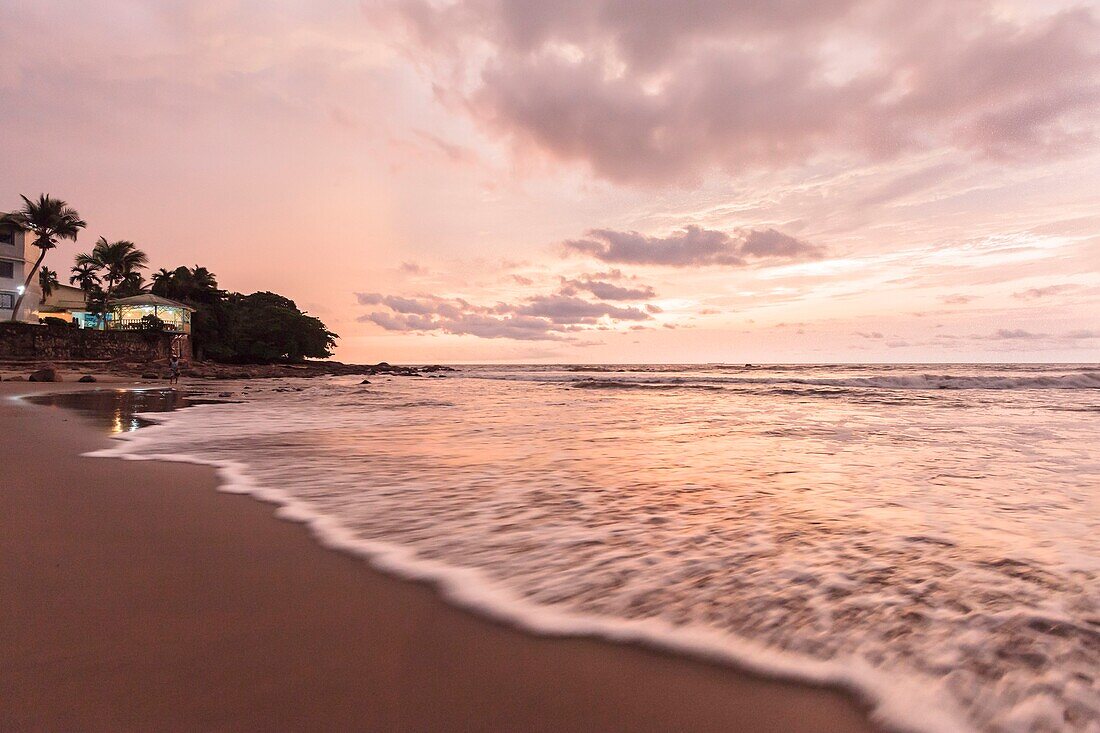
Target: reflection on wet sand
<point x="117" y="410"/>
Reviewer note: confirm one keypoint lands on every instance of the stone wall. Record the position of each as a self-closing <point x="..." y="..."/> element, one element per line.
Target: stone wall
<point x="32" y="342"/>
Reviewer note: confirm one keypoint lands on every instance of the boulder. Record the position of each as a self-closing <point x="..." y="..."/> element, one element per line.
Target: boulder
<point x="150" y="375"/>
<point x="87" y="379"/>
<point x="45" y="374"/>
<point x="365" y="381"/>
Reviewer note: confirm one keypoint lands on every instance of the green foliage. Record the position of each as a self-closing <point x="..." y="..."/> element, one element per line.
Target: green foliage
<point x="195" y="285"/>
<point x="151" y="323"/>
<point x="85" y="276"/>
<point x="48" y="219"/>
<point x="47" y="281"/>
<point x="118" y="264"/>
<point x="231" y="327"/>
<point x="266" y="327"/>
<point x="151" y="327"/>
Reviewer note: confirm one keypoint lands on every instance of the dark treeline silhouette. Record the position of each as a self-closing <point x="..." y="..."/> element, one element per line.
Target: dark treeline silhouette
<point x="230" y="327"/>
<point x="258" y="328"/>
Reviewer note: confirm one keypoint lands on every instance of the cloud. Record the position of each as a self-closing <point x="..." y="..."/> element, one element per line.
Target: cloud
<point x="472" y="324"/>
<point x="957" y="299"/>
<point x="606" y="290"/>
<point x="1035" y="293"/>
<point x="564" y="309"/>
<point x="401" y="305"/>
<point x="653" y="93"/>
<point x="1017" y="334"/>
<point x="554" y="317"/>
<point x="412" y="268"/>
<point x="770" y="243"/>
<point x="692" y="246"/>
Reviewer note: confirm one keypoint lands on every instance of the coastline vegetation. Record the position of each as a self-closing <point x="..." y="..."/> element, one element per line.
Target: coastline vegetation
<point x="228" y="327"/>
<point x="260" y="328"/>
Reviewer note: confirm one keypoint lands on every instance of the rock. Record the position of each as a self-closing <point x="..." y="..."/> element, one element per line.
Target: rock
<point x="87" y="378"/>
<point x="150" y="375"/>
<point x="365" y="381"/>
<point x="45" y="374"/>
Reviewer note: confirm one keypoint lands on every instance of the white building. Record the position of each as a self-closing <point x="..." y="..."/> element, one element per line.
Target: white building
<point x="17" y="256"/>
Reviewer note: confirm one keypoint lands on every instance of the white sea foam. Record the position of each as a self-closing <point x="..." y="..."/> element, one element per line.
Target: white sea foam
<point x="940" y="560"/>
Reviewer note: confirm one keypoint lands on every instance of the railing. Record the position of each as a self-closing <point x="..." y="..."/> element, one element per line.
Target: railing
<point x="138" y="324"/>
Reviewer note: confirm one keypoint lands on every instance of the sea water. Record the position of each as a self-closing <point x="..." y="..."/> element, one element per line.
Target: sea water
<point x="927" y="536"/>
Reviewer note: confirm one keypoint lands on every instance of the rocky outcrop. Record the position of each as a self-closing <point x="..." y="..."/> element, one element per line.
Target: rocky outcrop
<point x="405" y="371"/>
<point x="45" y="374"/>
<point x="131" y="368"/>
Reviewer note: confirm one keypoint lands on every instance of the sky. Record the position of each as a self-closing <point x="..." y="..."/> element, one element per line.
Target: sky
<point x="589" y="180"/>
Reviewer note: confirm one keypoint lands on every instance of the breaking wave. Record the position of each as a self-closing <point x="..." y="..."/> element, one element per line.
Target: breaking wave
<point x="937" y="562"/>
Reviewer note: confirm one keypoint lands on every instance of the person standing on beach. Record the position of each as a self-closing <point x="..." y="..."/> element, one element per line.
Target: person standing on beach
<point x="174" y="370"/>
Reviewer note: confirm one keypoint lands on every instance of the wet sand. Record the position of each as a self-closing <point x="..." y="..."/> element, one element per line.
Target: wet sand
<point x="136" y="597"/>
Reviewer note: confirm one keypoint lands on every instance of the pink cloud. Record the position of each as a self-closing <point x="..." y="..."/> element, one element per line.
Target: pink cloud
<point x="656" y="93"/>
<point x="692" y="247"/>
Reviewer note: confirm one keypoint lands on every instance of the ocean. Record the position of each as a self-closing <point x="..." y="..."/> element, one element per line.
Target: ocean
<point x="927" y="536"/>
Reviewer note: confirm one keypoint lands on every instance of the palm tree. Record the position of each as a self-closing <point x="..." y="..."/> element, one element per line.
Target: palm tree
<point x="193" y="285"/>
<point x="132" y="284"/>
<point x="50" y="220"/>
<point x="162" y="281"/>
<point x="119" y="263"/>
<point x="47" y="280"/>
<point x="85" y="277"/>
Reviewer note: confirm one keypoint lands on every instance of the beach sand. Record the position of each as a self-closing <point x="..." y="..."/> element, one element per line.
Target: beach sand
<point x="136" y="597"/>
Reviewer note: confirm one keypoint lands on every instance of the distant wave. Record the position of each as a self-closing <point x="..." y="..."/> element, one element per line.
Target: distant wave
<point x="1081" y="380"/>
<point x="623" y="384"/>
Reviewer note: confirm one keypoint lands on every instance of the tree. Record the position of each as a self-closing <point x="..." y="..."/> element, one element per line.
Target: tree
<point x="267" y="327"/>
<point x="85" y="277"/>
<point x="132" y="284"/>
<point x="47" y="280"/>
<point x="161" y="279"/>
<point x="118" y="264"/>
<point x="230" y="327"/>
<point x="50" y="220"/>
<point x="194" y="286"/>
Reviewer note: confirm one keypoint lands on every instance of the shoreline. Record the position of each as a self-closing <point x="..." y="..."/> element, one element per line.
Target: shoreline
<point x="292" y="634"/>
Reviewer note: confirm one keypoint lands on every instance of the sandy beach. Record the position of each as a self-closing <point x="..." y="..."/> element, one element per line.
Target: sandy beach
<point x="138" y="597"/>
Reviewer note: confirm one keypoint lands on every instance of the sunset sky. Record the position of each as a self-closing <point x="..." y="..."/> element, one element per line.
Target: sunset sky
<point x="589" y="180"/>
